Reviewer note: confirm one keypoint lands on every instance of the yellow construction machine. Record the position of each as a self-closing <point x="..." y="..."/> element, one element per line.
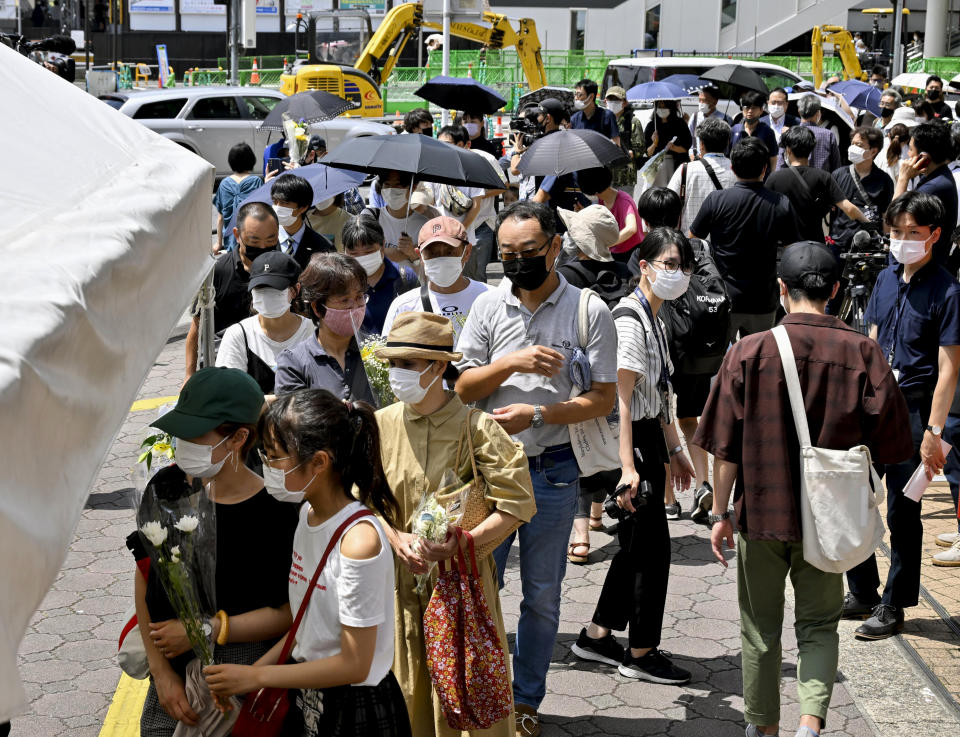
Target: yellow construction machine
<point x="330" y="66"/>
<point x="843" y="44"/>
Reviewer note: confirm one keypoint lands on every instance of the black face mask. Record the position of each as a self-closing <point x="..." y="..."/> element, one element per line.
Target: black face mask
<point x="252" y="253"/>
<point x="527" y="273"/>
<point x="885" y="112"/>
<point x="933" y="95"/>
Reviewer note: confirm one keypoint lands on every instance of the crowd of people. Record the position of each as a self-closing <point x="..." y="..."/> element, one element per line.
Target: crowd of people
<point x="651" y="313"/>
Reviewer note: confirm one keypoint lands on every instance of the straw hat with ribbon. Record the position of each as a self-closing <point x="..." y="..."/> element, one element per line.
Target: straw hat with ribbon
<point x="420" y="335"/>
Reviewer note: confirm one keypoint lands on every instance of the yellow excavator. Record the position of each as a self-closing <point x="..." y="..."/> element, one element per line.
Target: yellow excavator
<point x="326" y="67"/>
<point x="843" y="44"/>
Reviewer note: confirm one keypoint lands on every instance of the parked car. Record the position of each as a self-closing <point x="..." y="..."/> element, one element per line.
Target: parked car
<point x="629" y="72"/>
<point x="210" y="120"/>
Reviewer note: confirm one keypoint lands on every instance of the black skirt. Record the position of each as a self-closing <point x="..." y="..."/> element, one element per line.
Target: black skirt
<point x="356" y="711"/>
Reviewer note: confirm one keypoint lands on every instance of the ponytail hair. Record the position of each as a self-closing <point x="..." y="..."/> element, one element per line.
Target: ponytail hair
<point x="311" y="420"/>
<point x="899" y="137"/>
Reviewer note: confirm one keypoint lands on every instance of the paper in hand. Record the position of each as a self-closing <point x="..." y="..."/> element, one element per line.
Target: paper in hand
<point x="918" y="482"/>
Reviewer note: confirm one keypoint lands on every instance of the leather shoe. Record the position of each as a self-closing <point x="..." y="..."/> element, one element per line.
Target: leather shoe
<point x="885" y="621"/>
<point x="853" y="608"/>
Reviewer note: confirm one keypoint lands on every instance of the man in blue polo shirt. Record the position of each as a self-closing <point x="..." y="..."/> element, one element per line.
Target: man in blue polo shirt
<point x="591" y="117"/>
<point x="914" y="314"/>
<point x="931" y="152"/>
<point x="751" y="105"/>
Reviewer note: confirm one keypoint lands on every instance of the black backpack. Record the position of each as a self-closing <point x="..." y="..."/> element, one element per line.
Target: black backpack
<point x="608" y="284"/>
<point x="698" y="322"/>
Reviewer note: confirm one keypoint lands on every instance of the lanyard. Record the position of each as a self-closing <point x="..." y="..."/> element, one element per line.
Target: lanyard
<point x="901" y="305"/>
<point x="664" y="381"/>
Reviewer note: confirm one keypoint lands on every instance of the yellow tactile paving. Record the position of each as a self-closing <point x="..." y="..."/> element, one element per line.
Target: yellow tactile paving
<point x="123" y="717"/>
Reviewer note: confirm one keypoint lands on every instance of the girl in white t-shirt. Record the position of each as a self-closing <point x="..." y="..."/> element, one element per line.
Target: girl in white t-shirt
<point x="317" y="448"/>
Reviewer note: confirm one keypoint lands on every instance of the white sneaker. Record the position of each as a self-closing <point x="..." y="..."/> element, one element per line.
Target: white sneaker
<point x="947" y="539"/>
<point x="949" y="557"/>
<point x="806" y="732"/>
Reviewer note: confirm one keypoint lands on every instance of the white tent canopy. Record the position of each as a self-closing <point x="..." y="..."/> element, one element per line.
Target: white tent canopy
<point x="104" y="238"/>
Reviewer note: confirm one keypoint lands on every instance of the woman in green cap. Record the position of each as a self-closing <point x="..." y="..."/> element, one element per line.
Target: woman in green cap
<point x="214" y="423"/>
<point x="423" y="441"/>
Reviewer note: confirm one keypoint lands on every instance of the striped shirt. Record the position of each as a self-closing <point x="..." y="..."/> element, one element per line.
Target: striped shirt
<point x="637" y="351"/>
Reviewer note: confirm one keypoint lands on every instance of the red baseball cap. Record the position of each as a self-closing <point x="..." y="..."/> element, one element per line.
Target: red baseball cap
<point x="444" y="229"/>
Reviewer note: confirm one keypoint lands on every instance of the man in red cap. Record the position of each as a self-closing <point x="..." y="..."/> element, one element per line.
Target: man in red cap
<point x="444" y="250"/>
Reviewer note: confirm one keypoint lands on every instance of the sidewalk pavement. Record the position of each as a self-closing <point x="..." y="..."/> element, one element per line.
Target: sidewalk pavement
<point x="68" y="656"/>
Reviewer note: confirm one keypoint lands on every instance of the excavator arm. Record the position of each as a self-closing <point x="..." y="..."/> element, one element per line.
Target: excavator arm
<point x="843" y="44"/>
<point x="404" y="21"/>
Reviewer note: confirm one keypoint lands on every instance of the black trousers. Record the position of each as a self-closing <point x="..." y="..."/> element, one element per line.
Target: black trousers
<point x="906" y="527"/>
<point x="635" y="590"/>
<point x="4" y="729"/>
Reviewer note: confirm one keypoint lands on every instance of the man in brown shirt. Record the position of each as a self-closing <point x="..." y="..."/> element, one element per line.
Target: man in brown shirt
<point x="851" y="397"/>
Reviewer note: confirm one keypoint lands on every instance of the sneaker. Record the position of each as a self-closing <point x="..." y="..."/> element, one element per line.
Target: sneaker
<point x="673" y="510"/>
<point x="527" y="720"/>
<point x="885" y="622"/>
<point x="949" y="557"/>
<point x="605" y="650"/>
<point x="702" y="503"/>
<point x="853" y="608"/>
<point x="752" y="731"/>
<point x="947" y="539"/>
<point x="655" y="667"/>
<point x="806" y="732"/>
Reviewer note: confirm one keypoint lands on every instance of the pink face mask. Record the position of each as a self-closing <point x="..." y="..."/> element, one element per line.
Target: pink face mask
<point x="342" y="322"/>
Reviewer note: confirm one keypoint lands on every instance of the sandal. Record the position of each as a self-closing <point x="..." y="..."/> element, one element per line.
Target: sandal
<point x="578" y="558"/>
<point x="596" y="523"/>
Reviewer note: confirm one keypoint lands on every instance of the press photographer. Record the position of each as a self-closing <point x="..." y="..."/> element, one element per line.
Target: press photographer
<point x="635" y="590"/>
<point x="52" y="53"/>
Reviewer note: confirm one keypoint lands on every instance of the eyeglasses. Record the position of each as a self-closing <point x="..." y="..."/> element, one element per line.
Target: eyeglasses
<point x="345" y="303"/>
<point x="671" y="267"/>
<point x="270" y="461"/>
<point x="528" y="253"/>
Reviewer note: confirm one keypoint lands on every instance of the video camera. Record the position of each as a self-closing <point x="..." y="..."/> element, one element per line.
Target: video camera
<point x="528" y="125"/>
<point x="642" y="498"/>
<point x="52" y="53"/>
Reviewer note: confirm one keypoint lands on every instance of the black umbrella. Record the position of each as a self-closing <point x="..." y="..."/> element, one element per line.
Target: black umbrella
<point x="309" y="107"/>
<point x="427" y="159"/>
<point x="564" y="94"/>
<point x="568" y="151"/>
<point x="738" y="76"/>
<point x="461" y="93"/>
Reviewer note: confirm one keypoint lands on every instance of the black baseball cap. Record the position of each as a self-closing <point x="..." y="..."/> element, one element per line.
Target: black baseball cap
<point x="808" y="257"/>
<point x="274" y="269"/>
<point x="316" y="143"/>
<point x="553" y="106"/>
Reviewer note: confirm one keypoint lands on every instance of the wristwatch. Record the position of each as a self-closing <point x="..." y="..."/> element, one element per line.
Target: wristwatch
<point x="207" y="629"/>
<point x="712" y="519"/>
<point x="537" y="420"/>
<point x="935" y="429"/>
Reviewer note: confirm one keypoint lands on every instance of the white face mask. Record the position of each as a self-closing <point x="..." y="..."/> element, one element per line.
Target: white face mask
<point x="324" y="204"/>
<point x="395" y="197"/>
<point x="195" y="459"/>
<point x="443" y="270"/>
<point x="776" y="111"/>
<point x="614" y="106"/>
<point x="908" y="252"/>
<point x="271" y="302"/>
<point x="406" y="384"/>
<point x="370" y="262"/>
<point x="703" y="107"/>
<point x="663" y="113"/>
<point x="855" y="154"/>
<point x="579" y="104"/>
<point x="473" y="129"/>
<point x="285" y="215"/>
<point x="275" y="482"/>
<point x="670" y="285"/>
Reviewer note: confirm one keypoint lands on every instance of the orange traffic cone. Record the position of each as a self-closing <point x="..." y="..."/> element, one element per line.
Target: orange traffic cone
<point x="470" y="70"/>
<point x="255" y="74"/>
<point x="498" y="131"/>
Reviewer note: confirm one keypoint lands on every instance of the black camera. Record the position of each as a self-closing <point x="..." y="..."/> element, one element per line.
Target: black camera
<point x="528" y="125"/>
<point x="642" y="498"/>
<point x="52" y="53"/>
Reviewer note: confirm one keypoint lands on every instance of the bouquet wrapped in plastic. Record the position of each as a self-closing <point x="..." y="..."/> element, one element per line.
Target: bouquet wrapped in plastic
<point x="436" y="514"/>
<point x="376" y="369"/>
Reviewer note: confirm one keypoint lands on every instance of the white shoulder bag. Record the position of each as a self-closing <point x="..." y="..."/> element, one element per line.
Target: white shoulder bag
<point x="840" y="491"/>
<point x="596" y="442"/>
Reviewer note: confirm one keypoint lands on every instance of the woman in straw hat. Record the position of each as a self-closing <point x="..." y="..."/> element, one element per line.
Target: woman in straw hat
<point x="423" y="445"/>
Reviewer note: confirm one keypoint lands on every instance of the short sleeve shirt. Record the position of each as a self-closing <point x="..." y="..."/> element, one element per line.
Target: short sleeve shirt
<point x="623" y="206"/>
<point x="879" y="188"/>
<point x="820" y="188"/>
<point x="914" y="319"/>
<point x="499" y="324"/>
<point x="763" y="131"/>
<point x="638" y="351"/>
<point x="394" y="280"/>
<point x="603" y="121"/>
<point x="455" y="306"/>
<point x="230" y="282"/>
<point x="308" y="366"/>
<point x="939" y="183"/>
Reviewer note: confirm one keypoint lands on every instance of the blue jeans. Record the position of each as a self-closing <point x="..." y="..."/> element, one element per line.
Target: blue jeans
<point x="543" y="562"/>
<point x="951" y="433"/>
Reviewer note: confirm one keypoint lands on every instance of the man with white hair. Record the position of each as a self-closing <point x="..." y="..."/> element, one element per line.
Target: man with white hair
<point x="890" y="100"/>
<point x="826" y="152"/>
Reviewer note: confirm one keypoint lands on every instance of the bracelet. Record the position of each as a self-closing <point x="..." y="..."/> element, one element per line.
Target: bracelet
<point x="674" y="451"/>
<point x="224" y="627"/>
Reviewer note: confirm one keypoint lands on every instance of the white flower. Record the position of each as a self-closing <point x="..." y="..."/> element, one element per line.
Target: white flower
<point x="155" y="533"/>
<point x="187" y="523"/>
<point x="175" y="550"/>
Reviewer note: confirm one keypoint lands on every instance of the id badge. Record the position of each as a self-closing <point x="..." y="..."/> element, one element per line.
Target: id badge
<point x="896" y="374"/>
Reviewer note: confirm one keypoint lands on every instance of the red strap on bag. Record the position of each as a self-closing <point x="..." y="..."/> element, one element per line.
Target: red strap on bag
<point x="263" y="714"/>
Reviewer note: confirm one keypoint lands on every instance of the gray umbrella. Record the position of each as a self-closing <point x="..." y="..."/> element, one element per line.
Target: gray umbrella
<point x="568" y="151"/>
